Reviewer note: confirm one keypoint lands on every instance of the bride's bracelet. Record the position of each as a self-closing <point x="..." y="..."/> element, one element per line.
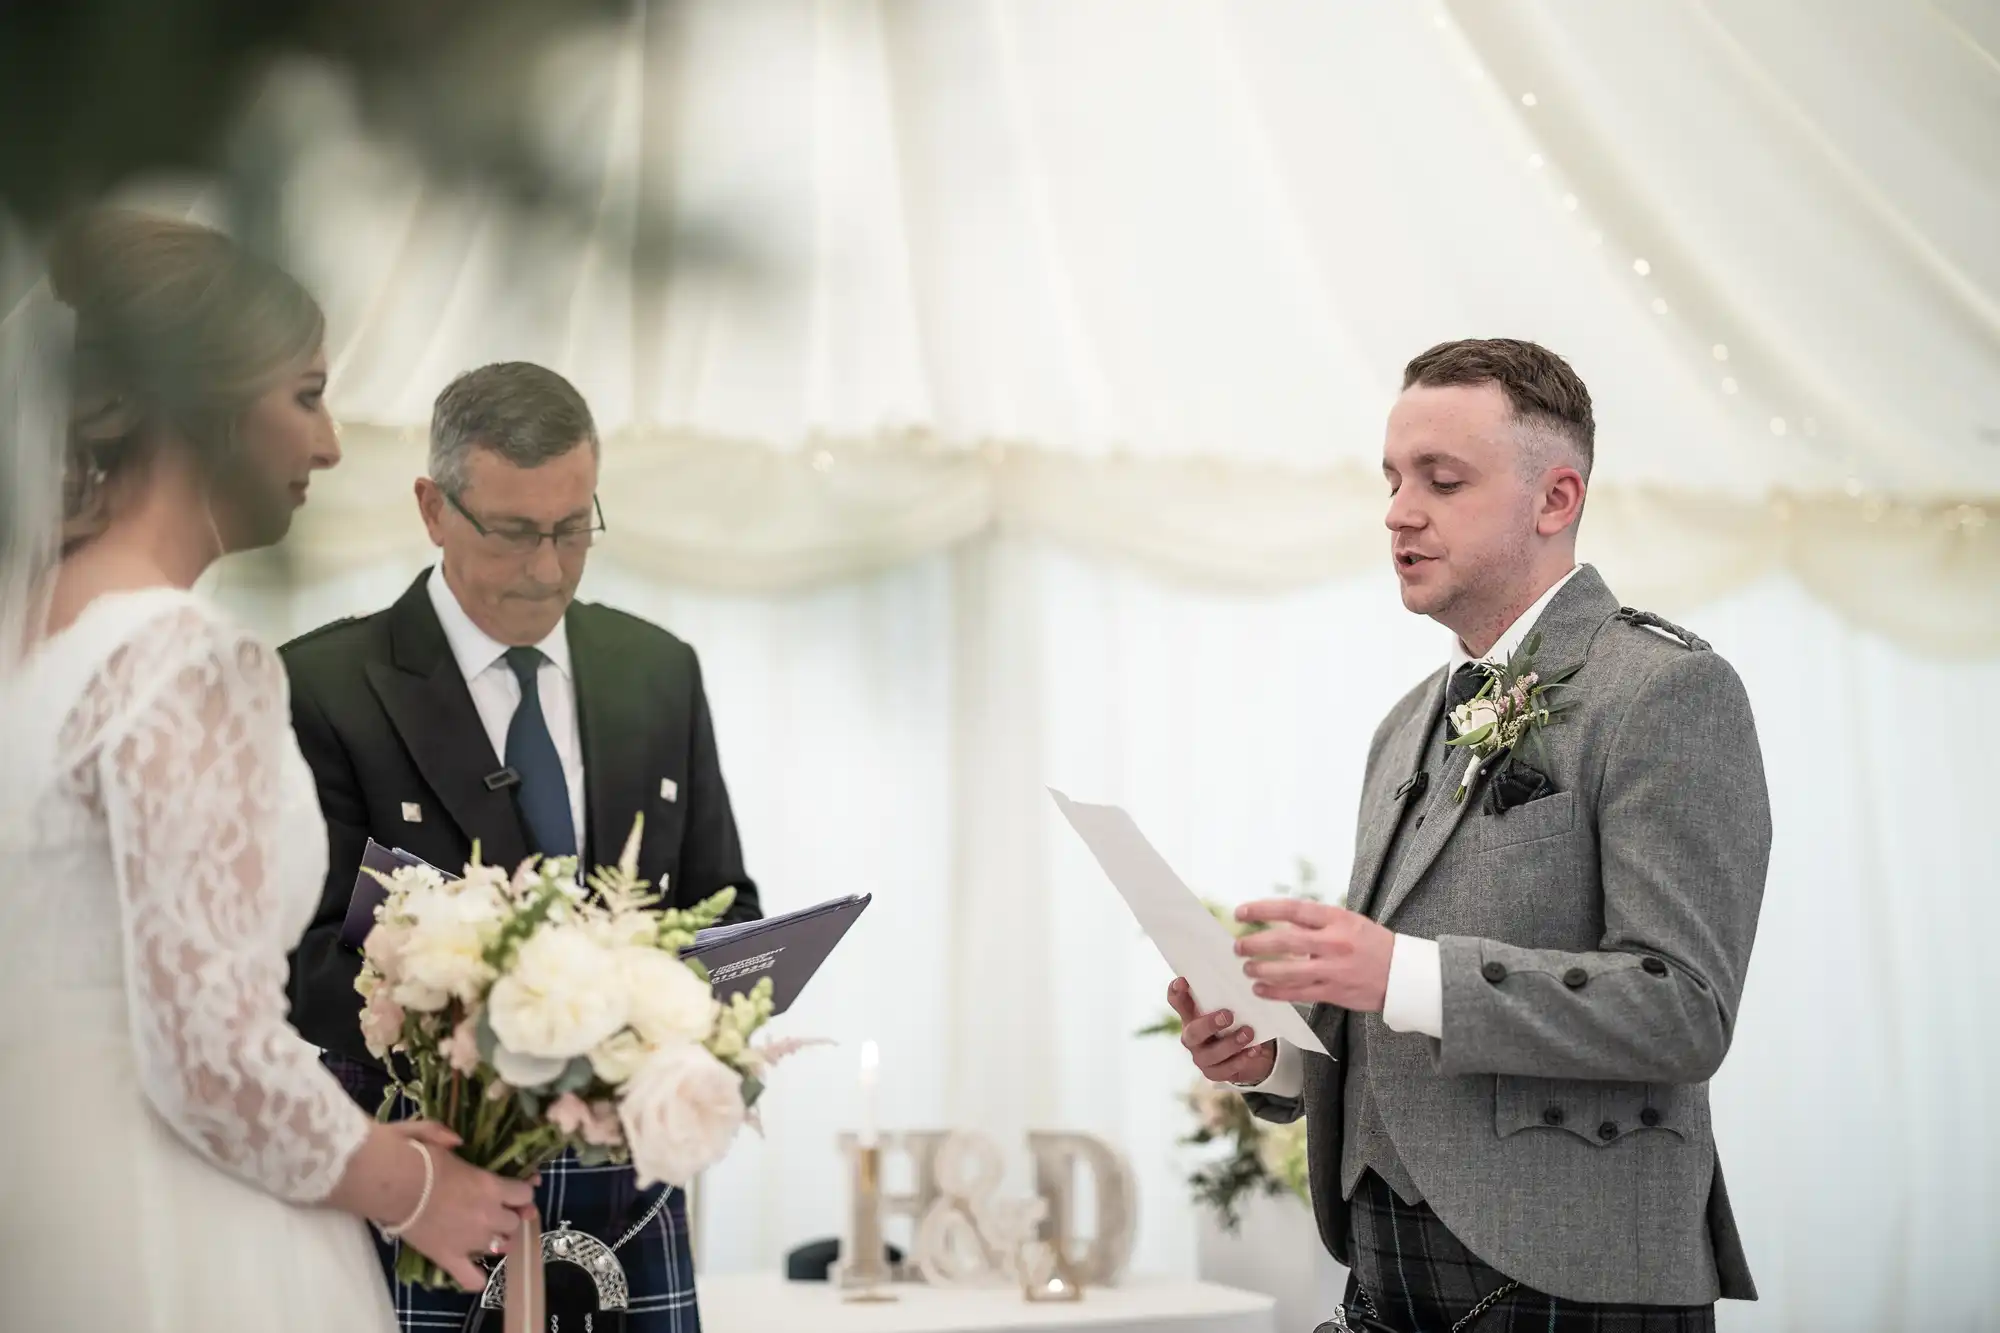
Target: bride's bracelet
<point x="423" y="1200"/>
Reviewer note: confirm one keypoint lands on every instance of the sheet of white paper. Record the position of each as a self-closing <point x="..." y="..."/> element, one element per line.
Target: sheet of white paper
<point x="1193" y="942"/>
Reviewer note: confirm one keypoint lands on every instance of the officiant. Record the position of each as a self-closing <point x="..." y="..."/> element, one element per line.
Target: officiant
<point x="488" y="706"/>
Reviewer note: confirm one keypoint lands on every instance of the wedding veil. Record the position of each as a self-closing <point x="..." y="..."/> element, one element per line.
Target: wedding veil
<point x="36" y="332"/>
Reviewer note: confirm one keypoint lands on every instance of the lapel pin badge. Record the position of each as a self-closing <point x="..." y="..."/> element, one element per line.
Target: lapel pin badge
<point x="412" y="813"/>
<point x="670" y="791"/>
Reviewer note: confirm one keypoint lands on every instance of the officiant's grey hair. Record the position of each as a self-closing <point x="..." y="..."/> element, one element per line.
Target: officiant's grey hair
<point x="525" y="413"/>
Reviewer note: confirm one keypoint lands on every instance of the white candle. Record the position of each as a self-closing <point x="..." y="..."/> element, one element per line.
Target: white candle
<point x="871" y="1059"/>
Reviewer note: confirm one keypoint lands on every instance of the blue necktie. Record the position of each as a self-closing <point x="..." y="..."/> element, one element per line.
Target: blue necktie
<point x="531" y="752"/>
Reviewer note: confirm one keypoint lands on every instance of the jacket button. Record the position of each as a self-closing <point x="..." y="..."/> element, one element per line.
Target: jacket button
<point x="1656" y="966"/>
<point x="1608" y="1130"/>
<point x="1575" y="977"/>
<point x="1495" y="972"/>
<point x="1553" y="1116"/>
<point x="1650" y="1117"/>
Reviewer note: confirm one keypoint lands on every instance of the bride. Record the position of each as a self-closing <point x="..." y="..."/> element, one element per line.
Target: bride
<point x="172" y="1155"/>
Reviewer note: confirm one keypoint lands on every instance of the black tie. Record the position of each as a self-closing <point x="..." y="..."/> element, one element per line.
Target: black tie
<point x="531" y="752"/>
<point x="1464" y="683"/>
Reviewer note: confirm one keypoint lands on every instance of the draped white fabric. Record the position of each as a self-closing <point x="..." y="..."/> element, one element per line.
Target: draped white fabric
<point x="1009" y="417"/>
<point x="1141" y="278"/>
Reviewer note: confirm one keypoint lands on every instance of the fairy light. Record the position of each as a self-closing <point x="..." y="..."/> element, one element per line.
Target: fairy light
<point x="1963" y="520"/>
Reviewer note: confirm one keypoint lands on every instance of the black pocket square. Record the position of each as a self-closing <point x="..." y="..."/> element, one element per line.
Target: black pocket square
<point x="1518" y="784"/>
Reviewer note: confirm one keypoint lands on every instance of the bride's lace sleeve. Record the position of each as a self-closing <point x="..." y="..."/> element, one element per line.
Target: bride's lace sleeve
<point x="189" y="775"/>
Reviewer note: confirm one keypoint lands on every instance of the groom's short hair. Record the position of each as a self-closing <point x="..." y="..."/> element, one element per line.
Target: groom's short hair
<point x="1548" y="396"/>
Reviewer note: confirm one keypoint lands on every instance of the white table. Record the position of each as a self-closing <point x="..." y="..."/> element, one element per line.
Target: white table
<point x="766" y="1303"/>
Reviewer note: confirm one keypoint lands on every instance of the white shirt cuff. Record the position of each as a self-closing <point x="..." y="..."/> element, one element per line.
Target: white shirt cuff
<point x="1287" y="1077"/>
<point x="1415" y="999"/>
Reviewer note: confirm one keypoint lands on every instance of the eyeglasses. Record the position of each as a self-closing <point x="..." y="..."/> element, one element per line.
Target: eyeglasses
<point x="520" y="540"/>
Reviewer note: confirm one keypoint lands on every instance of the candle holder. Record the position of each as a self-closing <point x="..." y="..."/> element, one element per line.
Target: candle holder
<point x="1046" y="1274"/>
<point x="864" y="1267"/>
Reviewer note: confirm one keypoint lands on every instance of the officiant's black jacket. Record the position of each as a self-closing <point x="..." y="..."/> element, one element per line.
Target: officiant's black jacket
<point x="389" y="728"/>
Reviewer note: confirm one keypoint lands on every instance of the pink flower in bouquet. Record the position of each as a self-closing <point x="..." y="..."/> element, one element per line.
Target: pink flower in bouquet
<point x="680" y="1111"/>
<point x="595" y="1122"/>
<point x="603" y="1128"/>
<point x="382" y="1022"/>
<point x="461" y="1048"/>
<point x="383" y="947"/>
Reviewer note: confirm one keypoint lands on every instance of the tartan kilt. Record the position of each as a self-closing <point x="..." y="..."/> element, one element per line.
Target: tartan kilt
<point x="603" y="1201"/>
<point x="1410" y="1273"/>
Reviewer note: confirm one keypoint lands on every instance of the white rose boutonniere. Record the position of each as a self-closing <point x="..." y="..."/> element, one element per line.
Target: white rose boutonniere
<point x="1511" y="708"/>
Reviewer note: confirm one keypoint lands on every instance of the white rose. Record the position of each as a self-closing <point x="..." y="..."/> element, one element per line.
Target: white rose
<point x="1468" y="718"/>
<point x="669" y="1003"/>
<point x="442" y="954"/>
<point x="618" y="1059"/>
<point x="564" y="995"/>
<point x="680" y="1112"/>
<point x="526" y="1071"/>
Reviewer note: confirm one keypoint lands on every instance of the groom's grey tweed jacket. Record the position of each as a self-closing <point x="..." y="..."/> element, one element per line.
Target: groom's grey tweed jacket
<point x="1594" y="944"/>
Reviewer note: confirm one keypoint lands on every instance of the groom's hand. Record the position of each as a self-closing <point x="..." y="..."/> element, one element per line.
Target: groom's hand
<point x="1223" y="1054"/>
<point x="1315" y="954"/>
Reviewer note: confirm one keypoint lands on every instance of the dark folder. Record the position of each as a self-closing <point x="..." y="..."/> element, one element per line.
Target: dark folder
<point x="788" y="949"/>
<point x="368" y="892"/>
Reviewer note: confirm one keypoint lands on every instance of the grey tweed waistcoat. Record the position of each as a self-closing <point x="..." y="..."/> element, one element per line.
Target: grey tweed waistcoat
<point x="1365" y="1141"/>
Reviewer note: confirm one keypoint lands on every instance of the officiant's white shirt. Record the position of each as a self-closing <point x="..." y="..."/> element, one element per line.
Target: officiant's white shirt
<point x="496" y="692"/>
<point x="1415" y="998"/>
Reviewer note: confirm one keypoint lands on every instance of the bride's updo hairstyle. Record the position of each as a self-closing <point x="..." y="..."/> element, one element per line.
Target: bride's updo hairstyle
<point x="179" y="330"/>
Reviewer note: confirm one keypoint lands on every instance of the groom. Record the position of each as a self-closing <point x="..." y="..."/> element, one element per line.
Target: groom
<point x="488" y="706"/>
<point x="1529" y="987"/>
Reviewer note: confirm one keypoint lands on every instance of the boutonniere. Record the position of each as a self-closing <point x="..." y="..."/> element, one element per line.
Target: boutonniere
<point x="1511" y="708"/>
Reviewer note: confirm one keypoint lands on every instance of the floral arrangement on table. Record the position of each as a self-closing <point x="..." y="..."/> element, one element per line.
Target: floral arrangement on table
<point x="533" y="1014"/>
<point x="1260" y="1157"/>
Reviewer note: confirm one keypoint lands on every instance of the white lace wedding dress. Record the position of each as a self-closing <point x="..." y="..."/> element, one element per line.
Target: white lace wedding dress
<point x="163" y="1130"/>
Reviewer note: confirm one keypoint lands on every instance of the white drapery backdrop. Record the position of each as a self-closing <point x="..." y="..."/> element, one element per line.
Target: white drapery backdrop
<point x="891" y="735"/>
<point x="1140" y="279"/>
<point x="1012" y="424"/>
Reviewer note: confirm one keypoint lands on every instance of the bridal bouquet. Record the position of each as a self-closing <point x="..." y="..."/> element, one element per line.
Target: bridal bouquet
<point x="533" y="1015"/>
